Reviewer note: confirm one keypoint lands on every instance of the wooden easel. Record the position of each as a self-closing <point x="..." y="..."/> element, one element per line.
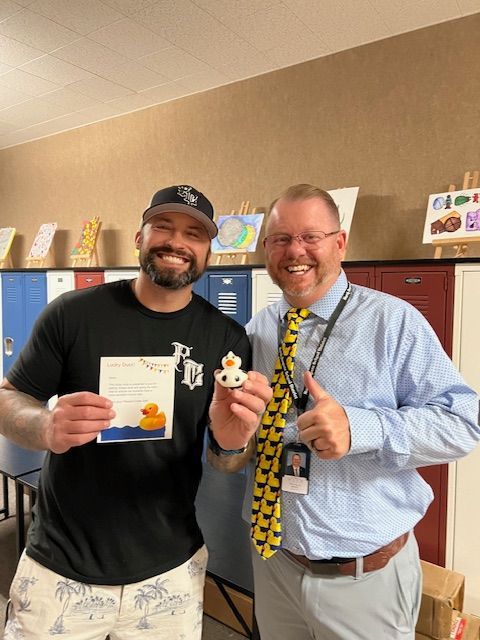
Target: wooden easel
<point x="45" y="261"/>
<point x="6" y="263"/>
<point x="86" y="260"/>
<point x="234" y="255"/>
<point x="470" y="181"/>
<point x="7" y="235"/>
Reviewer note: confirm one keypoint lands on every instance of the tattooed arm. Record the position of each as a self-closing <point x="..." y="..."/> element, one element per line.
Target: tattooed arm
<point x="233" y="463"/>
<point x="22" y="418"/>
<point x="76" y="419"/>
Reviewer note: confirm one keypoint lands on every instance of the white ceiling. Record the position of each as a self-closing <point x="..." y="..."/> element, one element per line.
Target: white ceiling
<point x="67" y="63"/>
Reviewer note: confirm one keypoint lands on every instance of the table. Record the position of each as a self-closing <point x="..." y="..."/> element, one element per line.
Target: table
<point x="30" y="481"/>
<point x="223" y="530"/>
<point x="16" y="462"/>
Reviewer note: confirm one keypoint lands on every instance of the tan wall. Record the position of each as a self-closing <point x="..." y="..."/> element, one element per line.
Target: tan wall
<point x="399" y="118"/>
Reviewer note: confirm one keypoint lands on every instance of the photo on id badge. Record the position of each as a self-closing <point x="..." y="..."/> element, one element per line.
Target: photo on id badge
<point x="295" y="468"/>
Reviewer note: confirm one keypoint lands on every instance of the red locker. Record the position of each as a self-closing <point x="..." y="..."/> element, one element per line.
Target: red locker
<point x="429" y="289"/>
<point x="84" y="279"/>
<point x="363" y="276"/>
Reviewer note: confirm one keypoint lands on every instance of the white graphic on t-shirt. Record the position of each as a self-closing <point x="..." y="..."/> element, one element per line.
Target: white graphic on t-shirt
<point x="192" y="373"/>
<point x="192" y="370"/>
<point x="181" y="352"/>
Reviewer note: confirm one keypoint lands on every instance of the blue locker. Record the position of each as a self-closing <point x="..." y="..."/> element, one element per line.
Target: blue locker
<point x="23" y="297"/>
<point x="35" y="298"/>
<point x="13" y="311"/>
<point x="200" y="287"/>
<point x="231" y="292"/>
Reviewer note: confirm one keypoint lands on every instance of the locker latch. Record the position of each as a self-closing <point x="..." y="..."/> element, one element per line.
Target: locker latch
<point x="8" y="346"/>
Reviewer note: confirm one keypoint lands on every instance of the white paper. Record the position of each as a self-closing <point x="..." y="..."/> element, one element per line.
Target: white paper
<point x="142" y="390"/>
<point x="345" y="199"/>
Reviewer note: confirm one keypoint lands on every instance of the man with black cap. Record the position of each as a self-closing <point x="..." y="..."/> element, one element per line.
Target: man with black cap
<point x="114" y="548"/>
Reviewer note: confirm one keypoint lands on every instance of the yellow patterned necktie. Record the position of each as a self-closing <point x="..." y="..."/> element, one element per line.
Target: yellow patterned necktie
<point x="266" y="522"/>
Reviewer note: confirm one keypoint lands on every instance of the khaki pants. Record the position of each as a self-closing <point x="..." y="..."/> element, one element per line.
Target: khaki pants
<point x="293" y="604"/>
<point x="45" y="604"/>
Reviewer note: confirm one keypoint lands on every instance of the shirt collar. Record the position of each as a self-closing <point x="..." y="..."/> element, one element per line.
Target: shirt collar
<point x="324" y="307"/>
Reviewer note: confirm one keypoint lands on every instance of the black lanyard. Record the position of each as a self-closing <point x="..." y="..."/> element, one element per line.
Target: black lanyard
<point x="301" y="401"/>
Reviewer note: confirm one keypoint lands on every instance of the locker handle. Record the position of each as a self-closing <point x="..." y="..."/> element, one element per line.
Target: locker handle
<point x="8" y="346"/>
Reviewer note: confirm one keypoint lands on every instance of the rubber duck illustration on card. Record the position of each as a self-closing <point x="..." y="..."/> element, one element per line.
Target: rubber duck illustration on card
<point x="154" y="419"/>
<point x="231" y="375"/>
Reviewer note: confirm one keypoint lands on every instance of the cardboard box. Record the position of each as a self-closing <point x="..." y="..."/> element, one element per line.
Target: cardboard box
<point x="217" y="607"/>
<point x="463" y="627"/>
<point x="443" y="591"/>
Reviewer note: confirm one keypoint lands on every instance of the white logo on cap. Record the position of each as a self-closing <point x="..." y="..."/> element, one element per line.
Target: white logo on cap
<point x="184" y="192"/>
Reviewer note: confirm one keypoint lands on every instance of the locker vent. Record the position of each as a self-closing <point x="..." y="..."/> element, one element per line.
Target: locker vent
<point x="35" y="296"/>
<point x="420" y="302"/>
<point x="11" y="294"/>
<point x="227" y="302"/>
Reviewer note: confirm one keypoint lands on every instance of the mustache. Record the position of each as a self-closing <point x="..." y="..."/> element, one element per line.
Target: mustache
<point x="296" y="263"/>
<point x="165" y="248"/>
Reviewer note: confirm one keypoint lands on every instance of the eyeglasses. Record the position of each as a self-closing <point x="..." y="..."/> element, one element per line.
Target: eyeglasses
<point x="312" y="238"/>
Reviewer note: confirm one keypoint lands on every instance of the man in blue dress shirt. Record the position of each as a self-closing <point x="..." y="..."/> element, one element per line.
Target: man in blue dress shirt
<point x="384" y="399"/>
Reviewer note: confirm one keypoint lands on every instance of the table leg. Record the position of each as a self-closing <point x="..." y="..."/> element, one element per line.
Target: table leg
<point x="255" y="631"/>
<point x="5" y="509"/>
<point x="20" y="519"/>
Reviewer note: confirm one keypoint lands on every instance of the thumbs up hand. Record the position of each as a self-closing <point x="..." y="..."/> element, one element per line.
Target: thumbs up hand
<point x="325" y="427"/>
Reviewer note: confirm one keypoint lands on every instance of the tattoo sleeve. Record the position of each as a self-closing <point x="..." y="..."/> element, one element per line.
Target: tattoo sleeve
<point x="22" y="419"/>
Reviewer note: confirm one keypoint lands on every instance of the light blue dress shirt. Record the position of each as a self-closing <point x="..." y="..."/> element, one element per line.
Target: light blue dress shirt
<point x="407" y="406"/>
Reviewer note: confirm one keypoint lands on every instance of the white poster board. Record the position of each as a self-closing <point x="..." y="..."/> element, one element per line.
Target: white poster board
<point x="345" y="199"/>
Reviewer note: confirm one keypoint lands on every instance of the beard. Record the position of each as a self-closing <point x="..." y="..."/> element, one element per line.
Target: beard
<point x="166" y="277"/>
<point x="323" y="273"/>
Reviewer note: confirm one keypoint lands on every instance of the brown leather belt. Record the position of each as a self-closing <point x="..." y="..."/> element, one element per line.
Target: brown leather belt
<point x="346" y="566"/>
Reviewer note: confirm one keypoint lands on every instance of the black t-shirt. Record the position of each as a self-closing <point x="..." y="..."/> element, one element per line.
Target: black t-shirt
<point x="120" y="513"/>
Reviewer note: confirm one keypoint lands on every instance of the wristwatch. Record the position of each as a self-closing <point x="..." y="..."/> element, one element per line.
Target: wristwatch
<point x="217" y="449"/>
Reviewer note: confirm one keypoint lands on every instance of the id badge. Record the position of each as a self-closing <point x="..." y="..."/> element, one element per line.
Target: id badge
<point x="296" y="468"/>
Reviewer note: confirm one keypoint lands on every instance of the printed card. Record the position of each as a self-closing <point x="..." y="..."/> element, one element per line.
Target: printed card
<point x="142" y="390"/>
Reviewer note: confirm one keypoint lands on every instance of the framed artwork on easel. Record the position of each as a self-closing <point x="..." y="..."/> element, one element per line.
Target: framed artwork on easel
<point x="42" y="245"/>
<point x="452" y="218"/>
<point x="237" y="233"/>
<point x="345" y="199"/>
<point x="6" y="238"/>
<point x="85" y="251"/>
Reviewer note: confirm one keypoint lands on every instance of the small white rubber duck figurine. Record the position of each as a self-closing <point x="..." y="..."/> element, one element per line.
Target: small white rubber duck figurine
<point x="231" y="375"/>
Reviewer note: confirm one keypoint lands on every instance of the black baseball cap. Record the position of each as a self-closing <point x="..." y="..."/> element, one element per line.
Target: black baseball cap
<point x="183" y="199"/>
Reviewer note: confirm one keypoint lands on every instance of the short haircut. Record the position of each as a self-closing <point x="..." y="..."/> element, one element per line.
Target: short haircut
<point x="305" y="192"/>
